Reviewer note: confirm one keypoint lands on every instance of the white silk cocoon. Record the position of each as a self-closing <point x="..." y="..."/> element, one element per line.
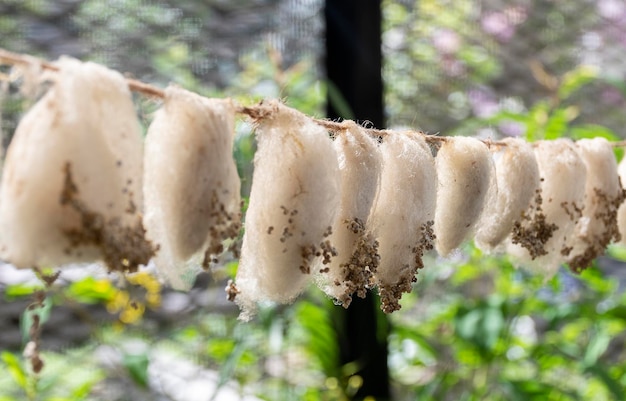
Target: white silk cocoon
<point x="71" y="189"/>
<point x="597" y="226"/>
<point x="403" y="214"/>
<point x="360" y="165"/>
<point x="517" y="179"/>
<point x="294" y="199"/>
<point x="191" y="186"/>
<point x="465" y="173"/>
<point x="553" y="218"/>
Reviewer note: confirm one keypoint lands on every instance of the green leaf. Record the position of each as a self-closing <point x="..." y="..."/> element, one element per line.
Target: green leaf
<point x="83" y="390"/>
<point x="228" y="367"/>
<point x="220" y="348"/>
<point x="319" y="335"/>
<point x="137" y="367"/>
<point x="556" y="126"/>
<point x="611" y="384"/>
<point x="467" y="326"/>
<point x="576" y="79"/>
<point x="17" y="372"/>
<point x="617" y="252"/>
<point x="492" y="324"/>
<point x="20" y="290"/>
<point x="427" y="354"/>
<point x="597" y="346"/>
<point x="529" y="389"/>
<point x="28" y="317"/>
<point x="91" y="291"/>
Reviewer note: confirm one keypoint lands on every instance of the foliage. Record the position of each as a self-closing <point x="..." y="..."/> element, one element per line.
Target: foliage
<point x="492" y="332"/>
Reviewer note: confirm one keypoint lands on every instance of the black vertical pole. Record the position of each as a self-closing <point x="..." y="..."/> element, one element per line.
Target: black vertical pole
<point x="354" y="58"/>
<point x="353" y="68"/>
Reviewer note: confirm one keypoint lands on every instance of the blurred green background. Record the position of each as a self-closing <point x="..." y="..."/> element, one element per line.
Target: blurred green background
<point x="474" y="328"/>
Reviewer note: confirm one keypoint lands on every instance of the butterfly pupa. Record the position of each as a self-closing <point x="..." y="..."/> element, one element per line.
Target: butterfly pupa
<point x="517" y="180"/>
<point x="465" y="173"/>
<point x="71" y="188"/>
<point x="538" y="241"/>
<point x="597" y="226"/>
<point x="294" y="198"/>
<point x="360" y="165"/>
<point x="191" y="186"/>
<point x="403" y="214"/>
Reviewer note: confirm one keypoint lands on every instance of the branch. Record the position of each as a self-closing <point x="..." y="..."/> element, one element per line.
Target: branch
<point x="257" y="112"/>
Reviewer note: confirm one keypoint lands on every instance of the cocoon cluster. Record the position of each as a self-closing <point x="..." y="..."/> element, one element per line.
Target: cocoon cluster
<point x="597" y="226"/>
<point x="360" y="165"/>
<point x="517" y="181"/>
<point x="465" y="173"/>
<point x="191" y="187"/>
<point x="294" y="199"/>
<point x="71" y="186"/>
<point x="403" y="215"/>
<point x="539" y="240"/>
<point x="352" y="210"/>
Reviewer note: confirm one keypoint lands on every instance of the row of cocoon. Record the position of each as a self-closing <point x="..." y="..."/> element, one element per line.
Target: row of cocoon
<point x="81" y="185"/>
<point x="347" y="208"/>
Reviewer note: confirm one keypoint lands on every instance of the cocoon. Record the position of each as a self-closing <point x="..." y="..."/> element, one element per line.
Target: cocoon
<point x="517" y="180"/>
<point x="360" y="165"/>
<point x="538" y="240"/>
<point x="597" y="227"/>
<point x="191" y="186"/>
<point x="294" y="199"/>
<point x="71" y="189"/>
<point x="403" y="214"/>
<point x="465" y="173"/>
<point x="621" y="213"/>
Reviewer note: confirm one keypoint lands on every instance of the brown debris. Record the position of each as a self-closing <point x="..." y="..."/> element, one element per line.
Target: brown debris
<point x="123" y="248"/>
<point x="532" y="231"/>
<point x="226" y="226"/>
<point x="231" y="291"/>
<point x="390" y="294"/>
<point x="357" y="273"/>
<point x="607" y="214"/>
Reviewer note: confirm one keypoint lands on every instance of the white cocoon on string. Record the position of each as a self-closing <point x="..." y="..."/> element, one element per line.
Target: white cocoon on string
<point x="191" y="186"/>
<point x="597" y="226"/>
<point x="562" y="196"/>
<point x="517" y="179"/>
<point x="403" y="214"/>
<point x="71" y="189"/>
<point x="465" y="173"/>
<point x="294" y="199"/>
<point x="360" y="165"/>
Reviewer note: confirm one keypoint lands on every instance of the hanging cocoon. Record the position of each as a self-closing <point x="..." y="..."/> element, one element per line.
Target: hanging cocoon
<point x="191" y="186"/>
<point x="403" y="214"/>
<point x="597" y="226"/>
<point x="71" y="189"/>
<point x="465" y="173"/>
<point x="517" y="180"/>
<point x="294" y="199"/>
<point x="360" y="165"/>
<point x="538" y="241"/>
<point x="621" y="212"/>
